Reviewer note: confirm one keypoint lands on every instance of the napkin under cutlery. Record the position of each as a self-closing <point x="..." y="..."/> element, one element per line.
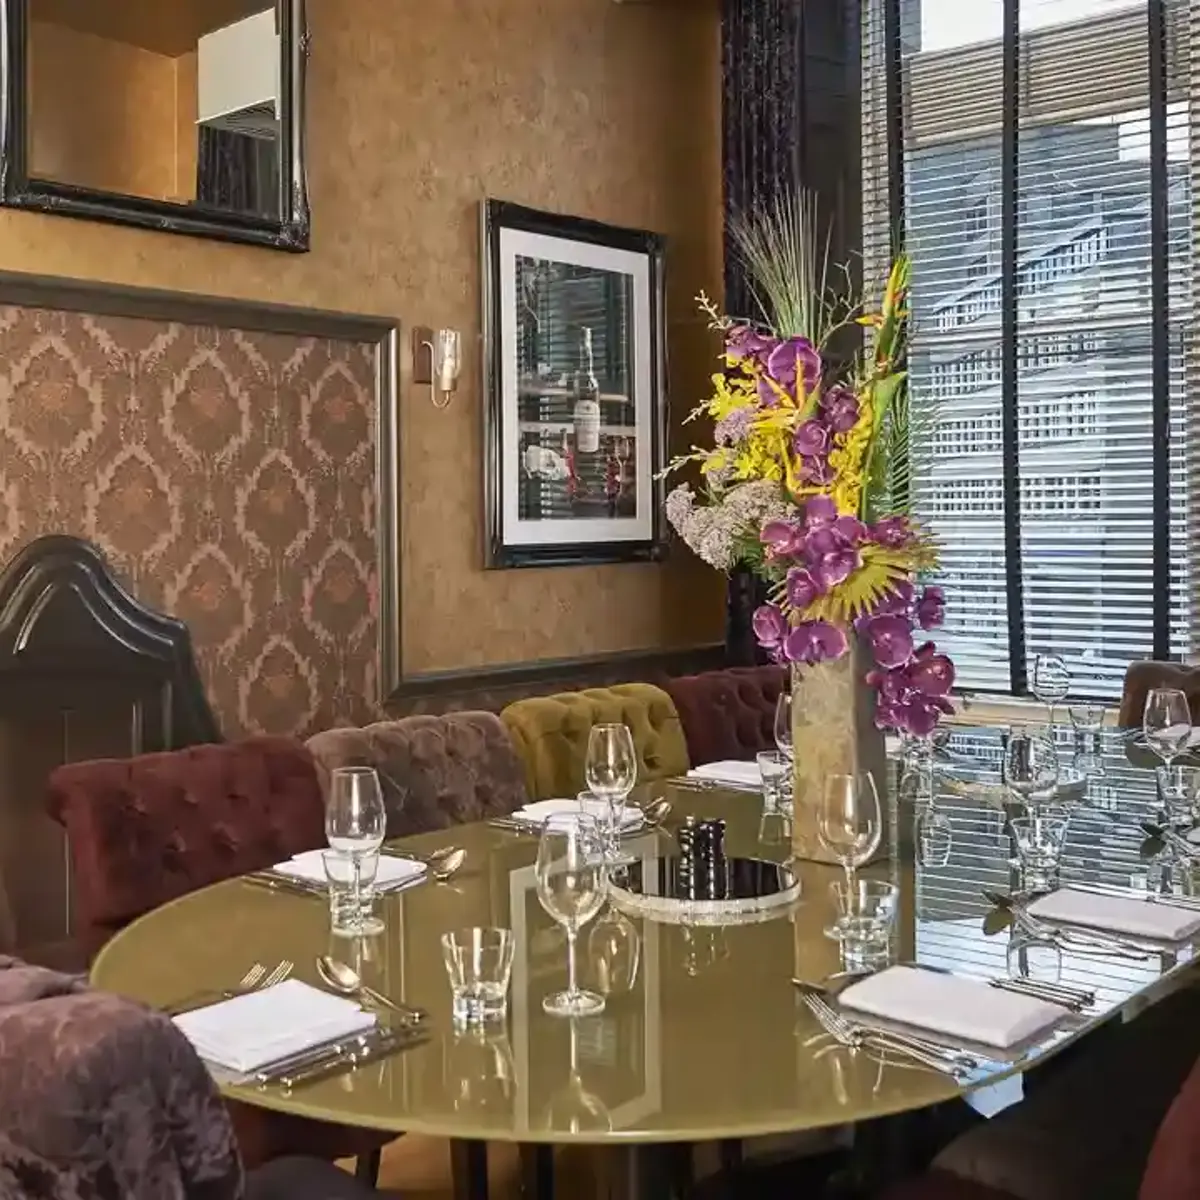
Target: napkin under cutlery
<point x="394" y="872"/>
<point x="536" y="814"/>
<point x="966" y="1010"/>
<point x="1130" y="915"/>
<point x="728" y="772"/>
<point x="248" y="1032"/>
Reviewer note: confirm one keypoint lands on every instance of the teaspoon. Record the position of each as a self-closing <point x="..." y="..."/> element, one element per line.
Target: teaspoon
<point x="346" y="981"/>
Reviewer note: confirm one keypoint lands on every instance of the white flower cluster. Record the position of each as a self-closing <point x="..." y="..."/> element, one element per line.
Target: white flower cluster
<point x="713" y="530"/>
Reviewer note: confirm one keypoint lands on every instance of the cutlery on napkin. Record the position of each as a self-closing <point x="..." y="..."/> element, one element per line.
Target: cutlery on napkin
<point x="536" y="814"/>
<point x="967" y="1010"/>
<point x="735" y="774"/>
<point x="253" y="1030"/>
<point x="394" y="872"/>
<point x="1131" y="916"/>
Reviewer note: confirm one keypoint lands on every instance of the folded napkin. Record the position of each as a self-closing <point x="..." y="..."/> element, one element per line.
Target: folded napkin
<point x="965" y="1010"/>
<point x="739" y="774"/>
<point x="1129" y="915"/>
<point x="394" y="872"/>
<point x="249" y="1032"/>
<point x="542" y="810"/>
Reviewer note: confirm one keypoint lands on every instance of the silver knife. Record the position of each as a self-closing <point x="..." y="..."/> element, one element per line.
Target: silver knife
<point x="283" y="883"/>
<point x="371" y="1050"/>
<point x="273" y="1072"/>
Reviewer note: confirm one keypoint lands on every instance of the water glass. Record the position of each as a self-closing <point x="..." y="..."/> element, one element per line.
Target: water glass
<point x="935" y="837"/>
<point x="1040" y="838"/>
<point x="1034" y="958"/>
<point x="479" y="964"/>
<point x="1030" y="765"/>
<point x="1179" y="790"/>
<point x="1050" y="682"/>
<point x="783" y="723"/>
<point x="1167" y="723"/>
<point x="351" y="880"/>
<point x="775" y="773"/>
<point x="849" y="821"/>
<point x="864" y="913"/>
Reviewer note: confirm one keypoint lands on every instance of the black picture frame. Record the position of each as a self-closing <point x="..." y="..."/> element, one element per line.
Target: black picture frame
<point x="290" y="230"/>
<point x="501" y="551"/>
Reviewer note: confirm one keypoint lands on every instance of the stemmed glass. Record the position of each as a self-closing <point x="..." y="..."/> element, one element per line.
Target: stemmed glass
<point x="1030" y="765"/>
<point x="849" y="821"/>
<point x="356" y="824"/>
<point x="1051" y="682"/>
<point x="1167" y="723"/>
<point x="573" y="1109"/>
<point x="571" y="886"/>
<point x="783" y="723"/>
<point x="611" y="773"/>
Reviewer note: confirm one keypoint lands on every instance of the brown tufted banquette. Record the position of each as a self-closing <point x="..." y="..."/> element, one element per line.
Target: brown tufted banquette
<point x="729" y="714"/>
<point x="434" y="771"/>
<point x="1142" y="677"/>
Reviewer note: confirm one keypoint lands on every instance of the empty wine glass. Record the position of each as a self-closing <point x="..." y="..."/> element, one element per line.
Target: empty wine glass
<point x="783" y="723"/>
<point x="849" y="822"/>
<point x="355" y="826"/>
<point x="1030" y="765"/>
<point x="1051" y="682"/>
<point x="571" y="886"/>
<point x="614" y="953"/>
<point x="611" y="774"/>
<point x="1167" y="723"/>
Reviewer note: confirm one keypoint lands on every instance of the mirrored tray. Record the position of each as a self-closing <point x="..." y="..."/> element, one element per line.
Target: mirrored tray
<point x="686" y="891"/>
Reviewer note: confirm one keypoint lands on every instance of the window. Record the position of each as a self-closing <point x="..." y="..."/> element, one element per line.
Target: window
<point x="1053" y="366"/>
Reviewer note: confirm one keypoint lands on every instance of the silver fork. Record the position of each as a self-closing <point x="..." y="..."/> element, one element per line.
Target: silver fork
<point x="282" y="970"/>
<point x="1081" y="943"/>
<point x="252" y="976"/>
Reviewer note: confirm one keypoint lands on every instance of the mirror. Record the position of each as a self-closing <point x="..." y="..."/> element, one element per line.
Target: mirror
<point x="180" y="115"/>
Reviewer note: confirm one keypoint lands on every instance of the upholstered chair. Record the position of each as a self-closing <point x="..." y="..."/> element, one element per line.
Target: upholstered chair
<point x="1142" y="677"/>
<point x="434" y="771"/>
<point x="551" y="734"/>
<point x="727" y="715"/>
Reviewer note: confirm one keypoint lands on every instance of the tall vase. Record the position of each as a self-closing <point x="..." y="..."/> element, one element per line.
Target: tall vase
<point x="833" y="732"/>
<point x="743" y="594"/>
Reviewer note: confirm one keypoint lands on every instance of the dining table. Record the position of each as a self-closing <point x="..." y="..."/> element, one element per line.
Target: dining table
<point x="705" y="1036"/>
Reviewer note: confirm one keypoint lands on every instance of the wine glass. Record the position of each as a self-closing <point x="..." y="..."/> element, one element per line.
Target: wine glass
<point x="849" y="821"/>
<point x="571" y="886"/>
<point x="1167" y="723"/>
<point x="1030" y="765"/>
<point x="611" y="773"/>
<point x="355" y="825"/>
<point x="1051" y="682"/>
<point x="573" y="1109"/>
<point x="614" y="953"/>
<point x="783" y="723"/>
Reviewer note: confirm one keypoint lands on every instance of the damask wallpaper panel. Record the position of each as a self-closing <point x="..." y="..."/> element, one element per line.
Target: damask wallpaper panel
<point x="228" y="476"/>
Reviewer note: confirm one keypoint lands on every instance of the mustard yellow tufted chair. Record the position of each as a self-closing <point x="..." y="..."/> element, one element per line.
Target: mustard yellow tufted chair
<point x="551" y="734"/>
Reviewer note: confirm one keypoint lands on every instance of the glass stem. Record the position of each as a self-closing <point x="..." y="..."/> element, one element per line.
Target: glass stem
<point x="572" y="986"/>
<point x="357" y="864"/>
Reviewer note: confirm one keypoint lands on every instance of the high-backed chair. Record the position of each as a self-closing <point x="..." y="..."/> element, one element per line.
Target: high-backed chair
<point x="434" y="771"/>
<point x="551" y="734"/>
<point x="1142" y="677"/>
<point x="728" y="714"/>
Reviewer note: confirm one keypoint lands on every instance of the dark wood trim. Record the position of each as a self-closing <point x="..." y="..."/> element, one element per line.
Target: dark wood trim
<point x="593" y="669"/>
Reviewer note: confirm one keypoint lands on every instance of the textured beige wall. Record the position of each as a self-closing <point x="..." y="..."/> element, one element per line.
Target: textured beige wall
<point x="416" y="112"/>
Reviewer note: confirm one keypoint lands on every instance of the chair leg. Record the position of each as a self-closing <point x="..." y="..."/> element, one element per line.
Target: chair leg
<point x="366" y="1167"/>
<point x="537" y="1172"/>
<point x="468" y="1167"/>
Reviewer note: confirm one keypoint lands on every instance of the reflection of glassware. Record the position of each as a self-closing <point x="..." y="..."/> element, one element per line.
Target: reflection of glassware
<point x="703" y="947"/>
<point x="478" y="965"/>
<point x="1086" y="717"/>
<point x="351" y="880"/>
<point x="355" y="825"/>
<point x="783" y="723"/>
<point x="849" y="822"/>
<point x="935" y="837"/>
<point x="610" y="770"/>
<point x="775" y="776"/>
<point x="1088" y="766"/>
<point x="614" y="953"/>
<point x="775" y="828"/>
<point x="479" y="1072"/>
<point x="864" y="911"/>
<point x="1179" y="790"/>
<point x="1051" y="683"/>
<point x="1030" y="765"/>
<point x="586" y="416"/>
<point x="1167" y="723"/>
<point x="573" y="1109"/>
<point x="1034" y="958"/>
<point x="1040" y="838"/>
<point x="571" y="886"/>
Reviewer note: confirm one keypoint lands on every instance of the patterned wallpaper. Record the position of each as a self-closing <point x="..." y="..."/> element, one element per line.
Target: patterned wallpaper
<point x="230" y="479"/>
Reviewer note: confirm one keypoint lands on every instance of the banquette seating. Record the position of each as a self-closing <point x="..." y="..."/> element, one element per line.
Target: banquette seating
<point x="727" y="714"/>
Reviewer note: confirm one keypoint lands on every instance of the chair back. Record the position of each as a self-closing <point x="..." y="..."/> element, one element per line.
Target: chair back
<point x="1173" y="1168"/>
<point x="1142" y="677"/>
<point x="551" y="735"/>
<point x="145" y="830"/>
<point x="727" y="715"/>
<point x="435" y="771"/>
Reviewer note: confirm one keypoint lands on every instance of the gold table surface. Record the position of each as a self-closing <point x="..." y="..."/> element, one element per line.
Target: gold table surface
<point x="703" y="1036"/>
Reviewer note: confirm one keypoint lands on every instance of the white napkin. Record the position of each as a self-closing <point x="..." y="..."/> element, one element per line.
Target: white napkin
<point x="1130" y="915"/>
<point x="966" y="1010"/>
<point x="393" y="871"/>
<point x="739" y="774"/>
<point x="540" y="811"/>
<point x="249" y="1032"/>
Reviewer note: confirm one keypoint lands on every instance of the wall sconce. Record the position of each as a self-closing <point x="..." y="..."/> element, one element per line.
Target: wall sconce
<point x="437" y="361"/>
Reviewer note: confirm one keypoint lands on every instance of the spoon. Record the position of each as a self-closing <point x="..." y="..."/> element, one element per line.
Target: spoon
<point x="656" y="811"/>
<point x="441" y="863"/>
<point x="346" y="981"/>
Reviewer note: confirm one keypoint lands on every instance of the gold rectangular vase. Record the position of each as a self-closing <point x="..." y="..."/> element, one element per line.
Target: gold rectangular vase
<point x="833" y="732"/>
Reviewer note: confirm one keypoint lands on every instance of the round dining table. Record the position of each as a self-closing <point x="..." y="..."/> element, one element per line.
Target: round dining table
<point x="704" y="1036"/>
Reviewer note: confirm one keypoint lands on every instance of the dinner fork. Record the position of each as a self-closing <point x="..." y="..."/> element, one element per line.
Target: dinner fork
<point x="255" y="980"/>
<point x="1081" y="943"/>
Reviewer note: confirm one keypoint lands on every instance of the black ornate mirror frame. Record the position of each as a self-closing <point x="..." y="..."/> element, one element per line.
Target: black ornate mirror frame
<point x="289" y="231"/>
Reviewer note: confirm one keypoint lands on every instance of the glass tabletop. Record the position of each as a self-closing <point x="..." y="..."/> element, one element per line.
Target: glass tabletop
<point x="704" y="1035"/>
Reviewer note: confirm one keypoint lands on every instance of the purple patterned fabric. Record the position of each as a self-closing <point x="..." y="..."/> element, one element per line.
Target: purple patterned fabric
<point x="101" y="1099"/>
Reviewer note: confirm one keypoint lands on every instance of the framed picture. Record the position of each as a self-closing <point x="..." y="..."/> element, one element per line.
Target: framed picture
<point x="575" y="387"/>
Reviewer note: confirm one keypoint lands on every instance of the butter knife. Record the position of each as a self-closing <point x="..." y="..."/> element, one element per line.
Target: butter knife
<point x="369" y="1050"/>
<point x="283" y="883"/>
<point x="302" y="1058"/>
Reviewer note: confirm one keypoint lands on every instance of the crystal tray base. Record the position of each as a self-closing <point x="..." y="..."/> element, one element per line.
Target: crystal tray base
<point x="684" y="891"/>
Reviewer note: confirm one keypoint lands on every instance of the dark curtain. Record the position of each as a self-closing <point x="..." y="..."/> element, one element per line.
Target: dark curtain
<point x="790" y="119"/>
<point x="237" y="172"/>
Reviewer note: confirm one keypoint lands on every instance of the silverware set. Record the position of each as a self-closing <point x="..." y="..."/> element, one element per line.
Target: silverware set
<point x="1073" y="999"/>
<point x="653" y="816"/>
<point x="320" y="1061"/>
<point x="256" y="979"/>
<point x="1074" y="940"/>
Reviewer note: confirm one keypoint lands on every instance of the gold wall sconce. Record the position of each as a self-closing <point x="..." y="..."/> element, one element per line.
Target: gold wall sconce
<point x="437" y="361"/>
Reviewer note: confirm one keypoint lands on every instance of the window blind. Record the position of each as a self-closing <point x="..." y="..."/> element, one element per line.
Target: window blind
<point x="1046" y="201"/>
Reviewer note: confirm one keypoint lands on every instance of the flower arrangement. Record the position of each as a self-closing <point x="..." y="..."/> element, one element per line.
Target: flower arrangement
<point x="808" y="478"/>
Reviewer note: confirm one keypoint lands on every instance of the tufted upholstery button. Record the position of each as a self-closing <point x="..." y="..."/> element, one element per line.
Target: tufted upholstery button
<point x="727" y="715"/>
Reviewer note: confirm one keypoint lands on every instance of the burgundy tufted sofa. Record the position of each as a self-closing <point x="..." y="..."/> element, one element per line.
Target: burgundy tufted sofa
<point x="434" y="771"/>
<point x="727" y="714"/>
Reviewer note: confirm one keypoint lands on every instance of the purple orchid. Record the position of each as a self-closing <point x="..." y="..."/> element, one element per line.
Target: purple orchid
<point x="770" y="625"/>
<point x="820" y="510"/>
<point x="802" y="588"/>
<point x="811" y="439"/>
<point x="891" y="532"/>
<point x="840" y="406"/>
<point x="897" y="602"/>
<point x="814" y="469"/>
<point x="931" y="673"/>
<point x="931" y="608"/>
<point x="836" y="566"/>
<point x="813" y="642"/>
<point x="890" y="638"/>
<point x="793" y="360"/>
<point x="742" y="342"/>
<point x="782" y="539"/>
